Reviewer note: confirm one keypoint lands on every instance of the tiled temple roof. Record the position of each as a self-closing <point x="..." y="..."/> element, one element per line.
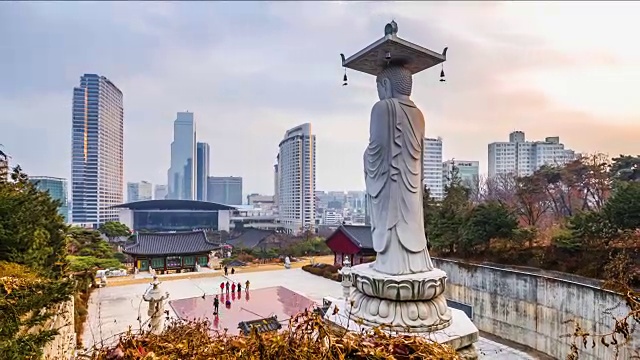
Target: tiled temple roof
<point x="191" y="242"/>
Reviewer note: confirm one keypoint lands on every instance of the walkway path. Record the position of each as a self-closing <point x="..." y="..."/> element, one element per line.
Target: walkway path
<point x="113" y="309"/>
<point x="207" y="273"/>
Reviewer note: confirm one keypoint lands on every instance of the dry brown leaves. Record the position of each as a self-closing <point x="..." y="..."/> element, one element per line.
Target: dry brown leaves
<point x="306" y="337"/>
<point x="15" y="276"/>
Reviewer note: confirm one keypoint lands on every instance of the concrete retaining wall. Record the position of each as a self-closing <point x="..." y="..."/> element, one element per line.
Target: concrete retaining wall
<point x="63" y="345"/>
<point x="531" y="309"/>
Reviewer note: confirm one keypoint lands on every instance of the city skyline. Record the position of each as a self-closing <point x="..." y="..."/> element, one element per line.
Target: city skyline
<point x="540" y="76"/>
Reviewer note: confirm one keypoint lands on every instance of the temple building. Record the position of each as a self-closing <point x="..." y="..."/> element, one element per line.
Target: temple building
<point x="174" y="251"/>
<point x="352" y="240"/>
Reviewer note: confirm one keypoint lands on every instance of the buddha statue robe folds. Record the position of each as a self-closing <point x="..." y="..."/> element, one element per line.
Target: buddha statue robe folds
<point x="393" y="177"/>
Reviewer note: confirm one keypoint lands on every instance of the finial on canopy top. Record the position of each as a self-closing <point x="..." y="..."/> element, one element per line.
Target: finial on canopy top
<point x="391" y="28"/>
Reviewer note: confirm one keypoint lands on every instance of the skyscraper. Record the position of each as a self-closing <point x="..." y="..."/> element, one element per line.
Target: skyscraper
<point x="432" y="167"/>
<point x="160" y="192"/>
<point x="182" y="175"/>
<point x="139" y="191"/>
<point x="297" y="179"/>
<point x="225" y="190"/>
<point x="202" y="170"/>
<point x="97" y="171"/>
<point x="57" y="189"/>
<point x="522" y="158"/>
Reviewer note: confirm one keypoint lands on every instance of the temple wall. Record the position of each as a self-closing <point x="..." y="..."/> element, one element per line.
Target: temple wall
<point x="531" y="309"/>
<point x="64" y="344"/>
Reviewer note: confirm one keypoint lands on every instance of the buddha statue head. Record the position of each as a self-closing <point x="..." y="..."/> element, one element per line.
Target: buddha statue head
<point x="393" y="82"/>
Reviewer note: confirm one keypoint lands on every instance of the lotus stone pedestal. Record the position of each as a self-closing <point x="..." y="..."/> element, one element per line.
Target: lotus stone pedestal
<point x="411" y="304"/>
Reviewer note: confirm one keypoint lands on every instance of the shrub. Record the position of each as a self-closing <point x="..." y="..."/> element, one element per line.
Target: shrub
<point x="326" y="271"/>
<point x="90" y="263"/>
<point x="306" y="337"/>
<point x="27" y="301"/>
<point x="525" y="235"/>
<point x="564" y="239"/>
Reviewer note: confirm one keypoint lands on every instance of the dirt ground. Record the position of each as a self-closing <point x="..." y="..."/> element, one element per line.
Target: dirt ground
<point x="128" y="280"/>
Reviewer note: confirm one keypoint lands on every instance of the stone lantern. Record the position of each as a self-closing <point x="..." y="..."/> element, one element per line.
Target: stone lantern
<point x="156" y="298"/>
<point x="346" y="278"/>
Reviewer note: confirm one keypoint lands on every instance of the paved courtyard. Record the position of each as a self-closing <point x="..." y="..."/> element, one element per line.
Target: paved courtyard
<point x="112" y="310"/>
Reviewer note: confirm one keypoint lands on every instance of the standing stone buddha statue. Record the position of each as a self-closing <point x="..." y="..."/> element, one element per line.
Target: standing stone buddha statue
<point x="393" y="160"/>
<point x="393" y="176"/>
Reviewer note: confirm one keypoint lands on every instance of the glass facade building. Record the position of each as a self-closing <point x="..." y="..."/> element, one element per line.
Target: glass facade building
<point x="57" y="189"/>
<point x="181" y="176"/>
<point x="467" y="171"/>
<point x="202" y="170"/>
<point x="175" y="220"/>
<point x="225" y="190"/>
<point x="97" y="156"/>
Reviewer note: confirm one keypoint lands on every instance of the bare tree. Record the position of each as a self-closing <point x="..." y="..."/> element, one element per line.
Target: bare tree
<point x="531" y="200"/>
<point x="501" y="188"/>
<point x="595" y="183"/>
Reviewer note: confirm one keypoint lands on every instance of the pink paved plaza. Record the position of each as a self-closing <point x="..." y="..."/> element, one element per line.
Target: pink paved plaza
<point x="245" y="306"/>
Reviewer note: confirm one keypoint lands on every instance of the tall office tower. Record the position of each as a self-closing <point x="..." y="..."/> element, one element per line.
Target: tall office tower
<point x="225" y="190"/>
<point x="297" y="179"/>
<point x="467" y="171"/>
<point x="139" y="191"/>
<point x="523" y="158"/>
<point x="4" y="167"/>
<point x="202" y="170"/>
<point x="57" y="189"/>
<point x="182" y="173"/>
<point x="97" y="155"/>
<point x="160" y="192"/>
<point x="432" y="167"/>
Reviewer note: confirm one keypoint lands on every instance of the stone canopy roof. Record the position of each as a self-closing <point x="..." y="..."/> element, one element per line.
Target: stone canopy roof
<point x="173" y="243"/>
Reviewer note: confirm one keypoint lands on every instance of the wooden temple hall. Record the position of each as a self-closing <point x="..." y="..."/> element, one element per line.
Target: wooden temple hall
<point x="171" y="252"/>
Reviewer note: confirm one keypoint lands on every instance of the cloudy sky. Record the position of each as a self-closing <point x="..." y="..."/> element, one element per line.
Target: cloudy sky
<point x="249" y="71"/>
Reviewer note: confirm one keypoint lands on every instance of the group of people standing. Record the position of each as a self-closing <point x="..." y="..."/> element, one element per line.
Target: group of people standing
<point x="233" y="287"/>
<point x="230" y="287"/>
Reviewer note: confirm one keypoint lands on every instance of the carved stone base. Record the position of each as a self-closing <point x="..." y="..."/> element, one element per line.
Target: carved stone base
<point x="406" y="303"/>
<point x="404" y="316"/>
<point x="461" y="334"/>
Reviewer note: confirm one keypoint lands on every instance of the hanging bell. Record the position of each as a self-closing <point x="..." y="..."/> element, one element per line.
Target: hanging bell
<point x="344" y="79"/>
<point x="442" y="79"/>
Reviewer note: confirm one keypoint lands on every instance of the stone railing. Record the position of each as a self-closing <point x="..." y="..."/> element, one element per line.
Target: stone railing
<point x="531" y="308"/>
<point x="63" y="345"/>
